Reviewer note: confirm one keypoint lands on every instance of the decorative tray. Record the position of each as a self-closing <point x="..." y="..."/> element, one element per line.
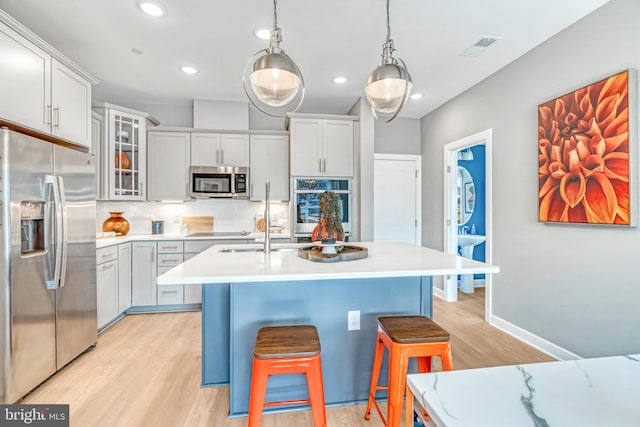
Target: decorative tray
<point x="348" y="253"/>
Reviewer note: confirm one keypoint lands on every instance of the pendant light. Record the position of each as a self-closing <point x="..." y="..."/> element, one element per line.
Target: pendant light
<point x="272" y="81"/>
<point x="389" y="85"/>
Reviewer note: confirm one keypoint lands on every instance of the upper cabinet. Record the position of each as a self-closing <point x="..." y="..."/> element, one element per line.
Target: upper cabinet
<point x="41" y="89"/>
<point x="321" y="147"/>
<point x="168" y="155"/>
<point x="269" y="163"/>
<point x="215" y="149"/>
<point x="123" y="152"/>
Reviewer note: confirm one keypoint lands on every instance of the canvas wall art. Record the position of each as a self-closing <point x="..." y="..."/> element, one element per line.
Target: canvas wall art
<point x="586" y="154"/>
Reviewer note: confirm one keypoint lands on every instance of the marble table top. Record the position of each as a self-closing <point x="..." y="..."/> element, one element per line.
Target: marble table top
<point x="588" y="392"/>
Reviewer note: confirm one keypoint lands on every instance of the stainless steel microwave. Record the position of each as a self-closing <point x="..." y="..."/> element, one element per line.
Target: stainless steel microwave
<point x="218" y="181"/>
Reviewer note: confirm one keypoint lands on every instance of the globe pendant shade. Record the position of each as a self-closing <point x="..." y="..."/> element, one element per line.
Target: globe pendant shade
<point x="275" y="87"/>
<point x="273" y="83"/>
<point x="388" y="88"/>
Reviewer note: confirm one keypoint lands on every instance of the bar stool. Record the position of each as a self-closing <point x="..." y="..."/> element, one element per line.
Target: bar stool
<point x="405" y="337"/>
<point x="287" y="350"/>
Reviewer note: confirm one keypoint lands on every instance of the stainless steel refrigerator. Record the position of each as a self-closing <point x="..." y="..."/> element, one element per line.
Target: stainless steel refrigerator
<point x="48" y="260"/>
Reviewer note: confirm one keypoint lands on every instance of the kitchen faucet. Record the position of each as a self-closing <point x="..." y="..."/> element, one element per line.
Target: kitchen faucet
<point x="267" y="217"/>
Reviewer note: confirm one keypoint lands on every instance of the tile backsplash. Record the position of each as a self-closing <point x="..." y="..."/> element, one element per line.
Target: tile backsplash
<point x="230" y="215"/>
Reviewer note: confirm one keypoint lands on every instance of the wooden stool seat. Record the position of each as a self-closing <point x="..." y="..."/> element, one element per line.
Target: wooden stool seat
<point x="287" y="341"/>
<point x="405" y="337"/>
<point x="287" y="350"/>
<point x="406" y="329"/>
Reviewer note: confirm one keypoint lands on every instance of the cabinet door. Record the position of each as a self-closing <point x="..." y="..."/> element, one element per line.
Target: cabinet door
<point x="96" y="141"/>
<point x="143" y="273"/>
<point x="306" y="147"/>
<point x="269" y="162"/>
<point x="124" y="276"/>
<point x="25" y="81"/>
<point x="337" y="136"/>
<point x="71" y="105"/>
<point x="205" y="149"/>
<point x="234" y="150"/>
<point x="127" y="156"/>
<point x="107" y="292"/>
<point x="168" y="155"/>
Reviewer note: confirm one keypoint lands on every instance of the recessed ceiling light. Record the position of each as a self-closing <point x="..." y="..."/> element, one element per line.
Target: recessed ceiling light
<point x="189" y="70"/>
<point x="340" y="80"/>
<point x="263" y="33"/>
<point x="416" y="96"/>
<point x="152" y="8"/>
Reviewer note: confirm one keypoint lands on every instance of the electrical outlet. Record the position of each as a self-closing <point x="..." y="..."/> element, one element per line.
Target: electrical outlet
<point x="176" y="219"/>
<point x="353" y="320"/>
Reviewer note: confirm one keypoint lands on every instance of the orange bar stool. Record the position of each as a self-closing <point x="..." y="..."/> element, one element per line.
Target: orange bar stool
<point x="287" y="350"/>
<point x="405" y="337"/>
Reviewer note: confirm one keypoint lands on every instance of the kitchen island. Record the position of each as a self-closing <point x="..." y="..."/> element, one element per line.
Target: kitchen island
<point x="244" y="291"/>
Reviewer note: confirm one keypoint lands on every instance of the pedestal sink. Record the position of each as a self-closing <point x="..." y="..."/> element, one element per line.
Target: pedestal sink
<point x="466" y="243"/>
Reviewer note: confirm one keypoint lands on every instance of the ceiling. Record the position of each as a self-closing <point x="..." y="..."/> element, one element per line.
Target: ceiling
<point x="325" y="38"/>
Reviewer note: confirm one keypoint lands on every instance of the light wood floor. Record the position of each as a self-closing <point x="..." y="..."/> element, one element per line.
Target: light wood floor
<point x="145" y="371"/>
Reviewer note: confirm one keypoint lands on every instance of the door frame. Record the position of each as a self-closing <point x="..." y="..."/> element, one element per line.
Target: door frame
<point x="417" y="160"/>
<point x="485" y="138"/>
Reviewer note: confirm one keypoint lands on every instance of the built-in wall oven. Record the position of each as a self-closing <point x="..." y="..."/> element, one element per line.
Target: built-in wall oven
<point x="306" y="204"/>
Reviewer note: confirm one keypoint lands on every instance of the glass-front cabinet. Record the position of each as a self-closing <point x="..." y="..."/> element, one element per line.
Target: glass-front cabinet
<point x="122" y="152"/>
<point x="127" y="156"/>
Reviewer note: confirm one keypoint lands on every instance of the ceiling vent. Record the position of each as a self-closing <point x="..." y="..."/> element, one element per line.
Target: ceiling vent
<point x="480" y="46"/>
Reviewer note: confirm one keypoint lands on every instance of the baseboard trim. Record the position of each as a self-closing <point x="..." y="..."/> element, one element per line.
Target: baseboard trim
<point x="533" y="340"/>
<point x="438" y="292"/>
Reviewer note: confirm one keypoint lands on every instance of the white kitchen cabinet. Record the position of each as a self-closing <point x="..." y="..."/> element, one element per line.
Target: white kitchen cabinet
<point x="269" y="162"/>
<point x="170" y="254"/>
<point x="143" y="273"/>
<point x="168" y="158"/>
<point x="106" y="285"/>
<point x="38" y="90"/>
<point x="192" y="293"/>
<point x="124" y="276"/>
<point x="214" y="149"/>
<point x="97" y="124"/>
<point x="321" y="147"/>
<point x="123" y="152"/>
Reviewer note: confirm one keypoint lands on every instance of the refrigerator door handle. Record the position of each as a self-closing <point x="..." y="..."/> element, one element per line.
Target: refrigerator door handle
<point x="56" y="245"/>
<point x="64" y="235"/>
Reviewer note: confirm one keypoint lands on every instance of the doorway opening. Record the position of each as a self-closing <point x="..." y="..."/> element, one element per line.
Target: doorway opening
<point x="460" y="204"/>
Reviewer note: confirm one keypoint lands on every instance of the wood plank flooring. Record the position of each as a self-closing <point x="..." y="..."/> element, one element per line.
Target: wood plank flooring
<point x="145" y="371"/>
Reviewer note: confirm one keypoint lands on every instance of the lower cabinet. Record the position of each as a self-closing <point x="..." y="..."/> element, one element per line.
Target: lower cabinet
<point x="170" y="254"/>
<point x="124" y="276"/>
<point x="143" y="273"/>
<point x="113" y="282"/>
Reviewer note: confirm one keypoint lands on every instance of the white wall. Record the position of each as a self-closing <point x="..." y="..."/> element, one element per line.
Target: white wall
<point x="363" y="182"/>
<point x="576" y="286"/>
<point x="400" y="136"/>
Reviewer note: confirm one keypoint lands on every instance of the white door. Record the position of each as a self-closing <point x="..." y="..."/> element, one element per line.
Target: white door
<point x="396" y="199"/>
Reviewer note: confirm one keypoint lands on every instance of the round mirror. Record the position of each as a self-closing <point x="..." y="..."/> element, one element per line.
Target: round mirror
<point x="466" y="195"/>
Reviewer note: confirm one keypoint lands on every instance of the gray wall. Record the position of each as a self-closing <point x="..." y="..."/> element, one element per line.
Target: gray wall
<point x="576" y="286"/>
<point x="400" y="136"/>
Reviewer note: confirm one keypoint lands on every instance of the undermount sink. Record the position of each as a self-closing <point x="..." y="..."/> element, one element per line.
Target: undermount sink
<point x="258" y="249"/>
<point x="470" y="239"/>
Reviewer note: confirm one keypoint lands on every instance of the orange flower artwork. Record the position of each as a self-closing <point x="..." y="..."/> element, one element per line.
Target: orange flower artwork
<point x="583" y="154"/>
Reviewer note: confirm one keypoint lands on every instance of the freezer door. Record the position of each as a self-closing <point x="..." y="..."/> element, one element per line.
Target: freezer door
<point x="76" y="325"/>
<point x="28" y="326"/>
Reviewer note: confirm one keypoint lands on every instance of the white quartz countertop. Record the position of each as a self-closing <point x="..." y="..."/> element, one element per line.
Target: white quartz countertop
<point x="103" y="242"/>
<point x="583" y="393"/>
<point x="385" y="259"/>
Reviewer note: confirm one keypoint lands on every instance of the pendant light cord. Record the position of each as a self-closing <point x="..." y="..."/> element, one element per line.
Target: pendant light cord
<point x="388" y="25"/>
<point x="275" y="13"/>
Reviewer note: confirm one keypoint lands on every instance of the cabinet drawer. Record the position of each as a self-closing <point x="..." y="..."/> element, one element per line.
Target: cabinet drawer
<point x="170" y="294"/>
<point x="109" y="253"/>
<point x="169" y="260"/>
<point x="170" y="246"/>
